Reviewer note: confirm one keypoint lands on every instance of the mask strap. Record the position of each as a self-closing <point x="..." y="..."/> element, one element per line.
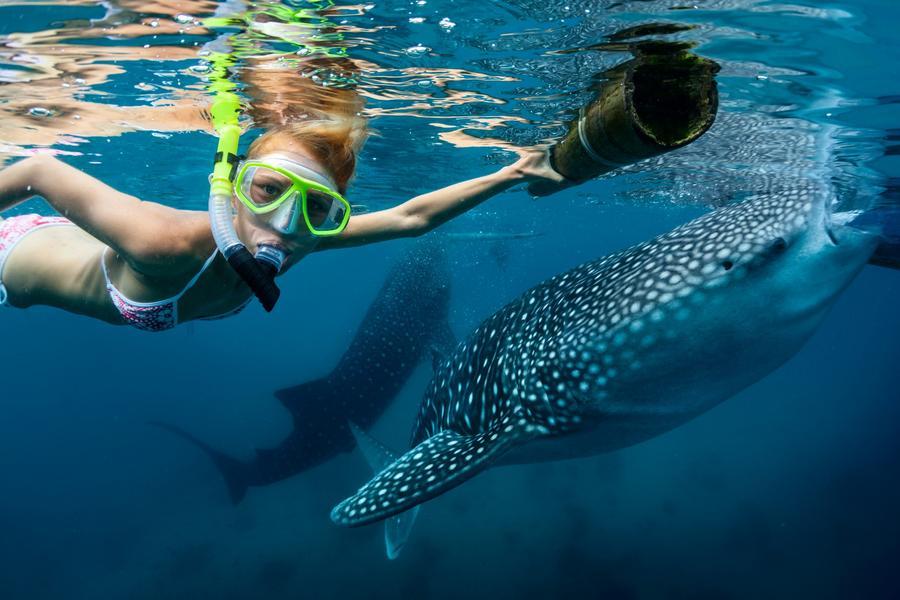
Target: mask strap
<point x="233" y="159"/>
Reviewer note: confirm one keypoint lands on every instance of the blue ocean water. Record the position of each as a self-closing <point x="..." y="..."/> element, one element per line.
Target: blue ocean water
<point x="787" y="490"/>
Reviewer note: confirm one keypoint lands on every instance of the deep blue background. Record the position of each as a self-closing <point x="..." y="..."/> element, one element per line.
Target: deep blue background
<point x="788" y="490"/>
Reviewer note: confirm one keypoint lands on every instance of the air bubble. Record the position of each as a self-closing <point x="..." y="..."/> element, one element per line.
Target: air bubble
<point x="39" y="111"/>
<point x="417" y="50"/>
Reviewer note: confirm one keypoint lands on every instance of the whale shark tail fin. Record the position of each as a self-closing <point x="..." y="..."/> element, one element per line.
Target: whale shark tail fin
<point x="436" y="465"/>
<point x="233" y="471"/>
<point x="308" y="399"/>
<point x="379" y="457"/>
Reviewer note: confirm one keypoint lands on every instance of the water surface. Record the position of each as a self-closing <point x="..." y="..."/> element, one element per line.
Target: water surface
<point x="788" y="490"/>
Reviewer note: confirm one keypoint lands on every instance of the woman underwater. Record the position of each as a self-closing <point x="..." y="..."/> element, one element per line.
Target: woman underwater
<point x="126" y="261"/>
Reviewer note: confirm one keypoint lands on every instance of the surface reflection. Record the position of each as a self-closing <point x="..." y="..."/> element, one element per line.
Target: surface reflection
<point x="490" y="75"/>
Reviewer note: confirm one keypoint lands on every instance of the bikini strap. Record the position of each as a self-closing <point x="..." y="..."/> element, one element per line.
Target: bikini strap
<point x="177" y="296"/>
<point x="103" y="265"/>
<point x="196" y="277"/>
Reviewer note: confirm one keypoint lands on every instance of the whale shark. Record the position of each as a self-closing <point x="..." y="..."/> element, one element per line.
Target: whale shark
<point x="405" y="323"/>
<point x="625" y="347"/>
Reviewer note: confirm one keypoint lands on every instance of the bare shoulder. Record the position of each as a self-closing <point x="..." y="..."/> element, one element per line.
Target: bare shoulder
<point x="181" y="240"/>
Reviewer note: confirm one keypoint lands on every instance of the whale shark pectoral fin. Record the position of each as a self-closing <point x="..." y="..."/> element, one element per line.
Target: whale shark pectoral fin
<point x="397" y="530"/>
<point x="376" y="454"/>
<point x="398" y="527"/>
<point x="433" y="467"/>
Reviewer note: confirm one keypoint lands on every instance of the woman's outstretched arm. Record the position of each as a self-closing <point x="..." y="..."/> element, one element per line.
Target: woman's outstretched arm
<point x="142" y="232"/>
<point x="423" y="213"/>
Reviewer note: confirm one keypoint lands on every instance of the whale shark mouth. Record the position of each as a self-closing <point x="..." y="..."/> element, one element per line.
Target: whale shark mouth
<point x="848" y="230"/>
<point x="840" y="224"/>
<point x="834" y="223"/>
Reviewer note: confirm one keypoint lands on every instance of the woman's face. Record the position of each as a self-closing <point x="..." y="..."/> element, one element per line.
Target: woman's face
<point x="285" y="227"/>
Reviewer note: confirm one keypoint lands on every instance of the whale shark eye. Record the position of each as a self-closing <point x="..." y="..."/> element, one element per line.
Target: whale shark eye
<point x="727" y="264"/>
<point x="779" y="244"/>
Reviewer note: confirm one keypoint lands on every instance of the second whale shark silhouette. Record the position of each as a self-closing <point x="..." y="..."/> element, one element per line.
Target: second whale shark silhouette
<point x="404" y="324"/>
<point x="624" y="348"/>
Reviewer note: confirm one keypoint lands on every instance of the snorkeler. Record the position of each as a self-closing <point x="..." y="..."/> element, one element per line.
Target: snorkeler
<point x="125" y="261"/>
<point x="116" y="258"/>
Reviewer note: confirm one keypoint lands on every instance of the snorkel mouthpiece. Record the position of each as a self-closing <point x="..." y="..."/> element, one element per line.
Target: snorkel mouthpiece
<point x="271" y="257"/>
<point x="258" y="273"/>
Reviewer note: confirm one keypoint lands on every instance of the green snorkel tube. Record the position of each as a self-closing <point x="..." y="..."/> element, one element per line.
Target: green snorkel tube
<point x="259" y="271"/>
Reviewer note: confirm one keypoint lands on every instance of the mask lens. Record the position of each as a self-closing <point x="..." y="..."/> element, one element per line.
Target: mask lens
<point x="325" y="212"/>
<point x="318" y="205"/>
<point x="264" y="186"/>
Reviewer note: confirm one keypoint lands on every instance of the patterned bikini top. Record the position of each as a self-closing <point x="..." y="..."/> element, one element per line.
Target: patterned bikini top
<point x="162" y="314"/>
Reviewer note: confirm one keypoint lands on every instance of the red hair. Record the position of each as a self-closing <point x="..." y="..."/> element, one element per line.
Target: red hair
<point x="333" y="143"/>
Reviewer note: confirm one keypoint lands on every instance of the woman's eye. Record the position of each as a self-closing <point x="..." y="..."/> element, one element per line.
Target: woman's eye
<point x="316" y="203"/>
<point x="268" y="191"/>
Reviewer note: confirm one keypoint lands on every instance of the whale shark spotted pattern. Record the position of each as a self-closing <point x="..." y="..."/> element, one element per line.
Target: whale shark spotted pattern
<point x="626" y="347"/>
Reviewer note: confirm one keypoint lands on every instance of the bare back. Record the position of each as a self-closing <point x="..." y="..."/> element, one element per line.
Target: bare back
<point x="62" y="266"/>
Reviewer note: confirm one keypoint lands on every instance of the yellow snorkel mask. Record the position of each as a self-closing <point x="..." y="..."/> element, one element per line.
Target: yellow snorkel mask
<point x="285" y="190"/>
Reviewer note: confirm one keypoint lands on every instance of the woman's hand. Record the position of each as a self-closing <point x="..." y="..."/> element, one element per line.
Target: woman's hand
<point x="427" y="211"/>
<point x="534" y="167"/>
